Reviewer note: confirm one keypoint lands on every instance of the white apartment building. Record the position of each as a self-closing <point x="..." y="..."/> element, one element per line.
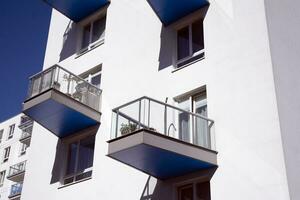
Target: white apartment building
<point x="167" y="100"/>
<point x="15" y="137"/>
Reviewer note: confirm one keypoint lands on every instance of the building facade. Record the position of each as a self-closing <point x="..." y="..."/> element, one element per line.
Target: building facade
<point x="160" y="100"/>
<point x="15" y="136"/>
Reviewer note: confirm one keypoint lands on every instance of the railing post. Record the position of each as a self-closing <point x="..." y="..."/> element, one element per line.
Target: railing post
<point x="165" y="120"/>
<point x="149" y="114"/>
<point x="117" y="122"/>
<point x="140" y="104"/>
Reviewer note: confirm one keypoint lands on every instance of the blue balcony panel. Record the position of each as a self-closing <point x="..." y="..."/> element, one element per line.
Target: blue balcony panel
<point x="160" y="156"/>
<point x="170" y="11"/>
<point x="77" y="10"/>
<point x="60" y="114"/>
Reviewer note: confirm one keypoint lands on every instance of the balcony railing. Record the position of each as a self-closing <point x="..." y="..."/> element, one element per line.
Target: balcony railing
<point x="15" y="190"/>
<point x="66" y="82"/>
<point x="159" y="117"/>
<point x="25" y="122"/>
<point x="26" y="133"/>
<point x="17" y="169"/>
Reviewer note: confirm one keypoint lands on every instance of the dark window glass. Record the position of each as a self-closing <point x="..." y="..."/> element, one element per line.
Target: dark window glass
<point x="96" y="80"/>
<point x="203" y="191"/>
<point x="86" y="36"/>
<point x="98" y="29"/>
<point x="72" y="158"/>
<point x="186" y="193"/>
<point x="183" y="43"/>
<point x="197" y="36"/>
<point x="86" y="153"/>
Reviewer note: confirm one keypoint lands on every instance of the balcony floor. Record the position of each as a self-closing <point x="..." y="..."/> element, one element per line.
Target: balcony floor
<point x="160" y="156"/>
<point x="60" y="114"/>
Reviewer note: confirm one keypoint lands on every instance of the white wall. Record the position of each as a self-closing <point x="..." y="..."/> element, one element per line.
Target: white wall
<point x="237" y="72"/>
<point x="283" y="23"/>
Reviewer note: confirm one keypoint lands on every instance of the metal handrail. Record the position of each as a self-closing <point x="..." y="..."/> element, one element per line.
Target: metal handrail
<point x="57" y="66"/>
<point x="164" y="104"/>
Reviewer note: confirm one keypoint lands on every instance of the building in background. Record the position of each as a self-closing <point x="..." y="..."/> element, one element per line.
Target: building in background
<point x="15" y="137"/>
<point x="167" y="100"/>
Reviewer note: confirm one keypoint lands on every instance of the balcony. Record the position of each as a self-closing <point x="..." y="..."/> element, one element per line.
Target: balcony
<point x="15" y="191"/>
<point x="16" y="172"/>
<point x="77" y="10"/>
<point x="170" y="11"/>
<point x="161" y="140"/>
<point x="26" y="135"/>
<point x="25" y="122"/>
<point x="62" y="102"/>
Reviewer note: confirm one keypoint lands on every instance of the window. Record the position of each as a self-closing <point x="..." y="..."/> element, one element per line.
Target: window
<point x="23" y="149"/>
<point x="1" y="134"/>
<point x="80" y="160"/>
<point x="93" y="76"/>
<point x="93" y="34"/>
<point x="197" y="104"/>
<point x="11" y="131"/>
<point x="2" y="177"/>
<point x="190" y="43"/>
<point x="6" y="154"/>
<point x="194" y="191"/>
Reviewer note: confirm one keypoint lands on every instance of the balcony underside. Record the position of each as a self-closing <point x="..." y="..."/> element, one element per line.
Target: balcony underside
<point x="18" y="177"/>
<point x="160" y="156"/>
<point x="76" y="10"/>
<point x="170" y="11"/>
<point x="59" y="113"/>
<point x="15" y="196"/>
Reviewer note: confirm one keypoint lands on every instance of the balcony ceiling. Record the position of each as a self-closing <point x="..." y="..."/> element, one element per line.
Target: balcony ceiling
<point x="160" y="156"/>
<point x="76" y="10"/>
<point x="170" y="11"/>
<point x="60" y="114"/>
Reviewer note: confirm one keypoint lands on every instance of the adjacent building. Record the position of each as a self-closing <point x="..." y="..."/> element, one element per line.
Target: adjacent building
<point x="166" y="100"/>
<point x="15" y="137"/>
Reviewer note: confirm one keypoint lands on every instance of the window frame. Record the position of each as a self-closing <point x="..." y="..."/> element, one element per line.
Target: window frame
<point x="23" y="149"/>
<point x="2" y="177"/>
<point x="11" y="131"/>
<point x="91" y="45"/>
<point x="67" y="142"/>
<point x="189" y="59"/>
<point x="191" y="98"/>
<point x="5" y="154"/>
<point x="1" y="135"/>
<point x="95" y="71"/>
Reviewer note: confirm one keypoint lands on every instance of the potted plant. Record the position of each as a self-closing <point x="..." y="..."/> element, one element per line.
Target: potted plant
<point x="127" y="128"/>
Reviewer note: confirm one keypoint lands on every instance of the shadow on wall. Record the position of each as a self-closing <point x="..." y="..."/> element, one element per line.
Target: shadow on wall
<point x="58" y="162"/>
<point x="69" y="41"/>
<point x="167" y="46"/>
<point x="155" y="190"/>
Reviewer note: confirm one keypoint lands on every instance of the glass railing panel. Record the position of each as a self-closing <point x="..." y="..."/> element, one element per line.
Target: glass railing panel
<point x="16" y="189"/>
<point x="164" y="119"/>
<point x="66" y="82"/>
<point x="17" y="168"/>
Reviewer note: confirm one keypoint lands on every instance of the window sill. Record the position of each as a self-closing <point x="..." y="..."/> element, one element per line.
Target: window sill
<point x="189" y="63"/>
<point x="73" y="183"/>
<point x="89" y="48"/>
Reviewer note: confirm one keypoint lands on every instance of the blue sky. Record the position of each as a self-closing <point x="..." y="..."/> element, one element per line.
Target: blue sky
<point x="23" y="37"/>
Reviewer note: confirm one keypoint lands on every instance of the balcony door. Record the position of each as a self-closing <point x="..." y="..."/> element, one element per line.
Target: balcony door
<point x="194" y="129"/>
